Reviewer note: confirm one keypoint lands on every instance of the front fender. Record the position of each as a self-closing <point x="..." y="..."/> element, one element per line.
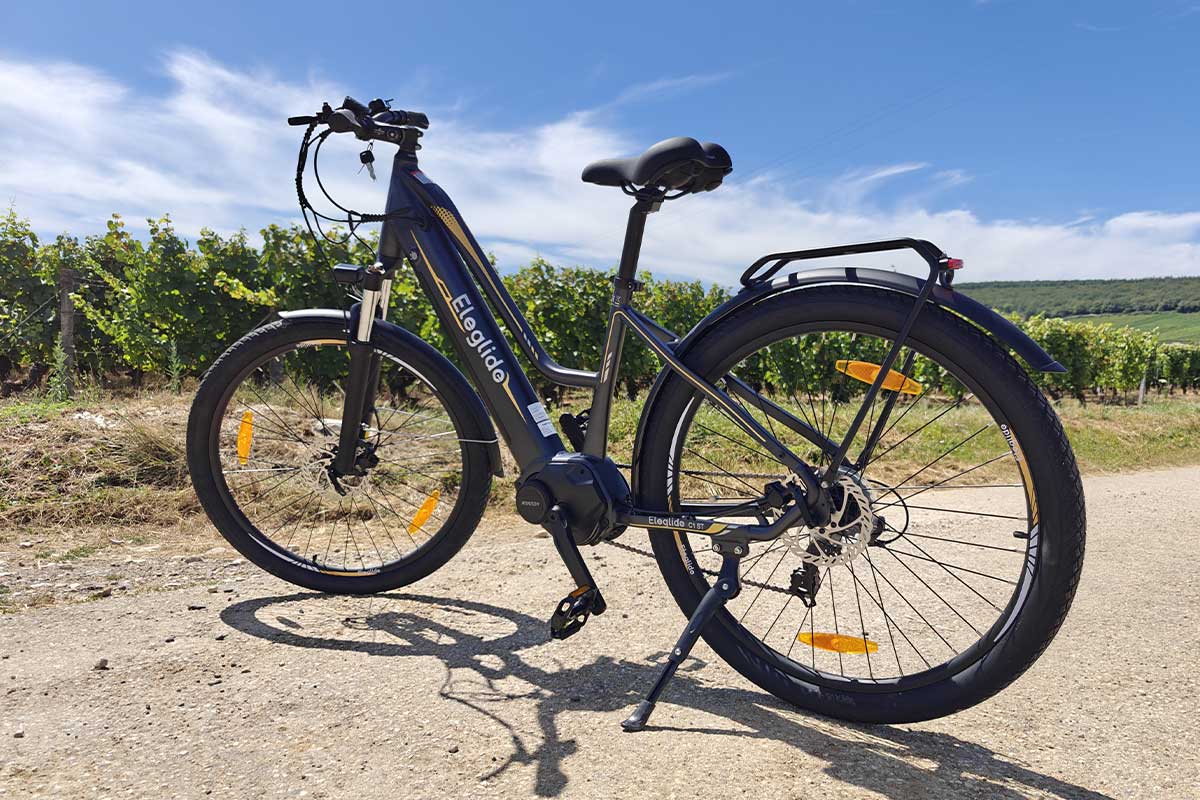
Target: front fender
<point x="401" y="338"/>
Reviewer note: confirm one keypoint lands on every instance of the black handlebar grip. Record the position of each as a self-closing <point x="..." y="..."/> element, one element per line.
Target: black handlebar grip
<point x="301" y="120"/>
<point x="356" y="107"/>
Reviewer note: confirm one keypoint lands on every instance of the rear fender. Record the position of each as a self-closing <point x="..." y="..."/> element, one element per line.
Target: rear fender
<point x="980" y="315"/>
<point x="385" y="332"/>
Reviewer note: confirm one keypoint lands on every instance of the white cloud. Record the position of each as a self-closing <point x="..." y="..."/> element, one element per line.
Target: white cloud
<point x="77" y="145"/>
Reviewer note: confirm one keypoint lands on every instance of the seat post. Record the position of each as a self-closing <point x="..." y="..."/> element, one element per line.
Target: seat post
<point x="624" y="285"/>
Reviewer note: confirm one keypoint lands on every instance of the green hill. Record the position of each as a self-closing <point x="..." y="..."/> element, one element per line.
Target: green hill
<point x="1172" y="326"/>
<point x="1074" y="298"/>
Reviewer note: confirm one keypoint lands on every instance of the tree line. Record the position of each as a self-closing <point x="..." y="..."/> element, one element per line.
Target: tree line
<point x="1074" y="298"/>
<point x="120" y="308"/>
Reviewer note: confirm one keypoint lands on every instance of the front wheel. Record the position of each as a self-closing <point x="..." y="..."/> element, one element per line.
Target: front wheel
<point x="959" y="541"/>
<point x="264" y="431"/>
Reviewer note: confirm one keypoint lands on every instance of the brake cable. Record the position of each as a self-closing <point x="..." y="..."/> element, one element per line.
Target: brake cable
<point x="353" y="218"/>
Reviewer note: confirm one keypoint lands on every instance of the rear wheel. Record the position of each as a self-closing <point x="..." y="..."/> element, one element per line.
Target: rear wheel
<point x="262" y="435"/>
<point x="961" y="539"/>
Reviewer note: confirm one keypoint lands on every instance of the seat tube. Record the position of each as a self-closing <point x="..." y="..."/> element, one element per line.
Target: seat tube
<point x="595" y="443"/>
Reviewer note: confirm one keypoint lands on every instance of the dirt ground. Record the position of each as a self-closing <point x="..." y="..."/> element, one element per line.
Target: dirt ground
<point x="165" y="666"/>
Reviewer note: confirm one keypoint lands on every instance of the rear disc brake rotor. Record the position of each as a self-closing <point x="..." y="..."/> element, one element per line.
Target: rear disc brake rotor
<point x="848" y="534"/>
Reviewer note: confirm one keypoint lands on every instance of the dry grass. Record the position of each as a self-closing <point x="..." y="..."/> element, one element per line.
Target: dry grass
<point x="117" y="461"/>
<point x="120" y="461"/>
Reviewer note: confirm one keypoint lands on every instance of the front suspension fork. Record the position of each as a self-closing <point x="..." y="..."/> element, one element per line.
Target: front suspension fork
<point x="362" y="384"/>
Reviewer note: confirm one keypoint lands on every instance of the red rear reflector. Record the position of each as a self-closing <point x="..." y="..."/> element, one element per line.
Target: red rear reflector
<point x="954" y="263"/>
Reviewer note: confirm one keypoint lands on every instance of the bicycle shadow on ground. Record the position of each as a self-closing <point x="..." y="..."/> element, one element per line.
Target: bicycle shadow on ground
<point x="891" y="761"/>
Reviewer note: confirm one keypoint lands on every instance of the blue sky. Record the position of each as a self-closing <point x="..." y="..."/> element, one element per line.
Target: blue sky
<point x="1034" y="139"/>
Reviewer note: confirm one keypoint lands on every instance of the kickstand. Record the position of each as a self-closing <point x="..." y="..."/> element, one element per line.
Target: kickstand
<point x="726" y="587"/>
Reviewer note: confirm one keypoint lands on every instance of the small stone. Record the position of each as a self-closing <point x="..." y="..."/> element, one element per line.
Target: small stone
<point x="195" y="607"/>
<point x="212" y="590"/>
<point x="19" y="734"/>
<point x="220" y="637"/>
<point x="116" y="541"/>
<point x="192" y="559"/>
<point x="25" y="544"/>
<point x="453" y="748"/>
<point x="101" y="664"/>
<point x="169" y="639"/>
<point x="105" y="592"/>
<point x="543" y="534"/>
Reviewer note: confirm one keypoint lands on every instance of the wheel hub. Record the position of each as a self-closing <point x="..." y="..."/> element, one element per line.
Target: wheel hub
<point x="851" y="524"/>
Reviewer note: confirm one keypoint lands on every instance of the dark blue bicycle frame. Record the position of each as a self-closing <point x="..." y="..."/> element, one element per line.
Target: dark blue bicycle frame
<point x="449" y="263"/>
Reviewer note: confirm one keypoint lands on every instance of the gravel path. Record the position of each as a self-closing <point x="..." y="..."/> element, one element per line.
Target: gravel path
<point x="249" y="689"/>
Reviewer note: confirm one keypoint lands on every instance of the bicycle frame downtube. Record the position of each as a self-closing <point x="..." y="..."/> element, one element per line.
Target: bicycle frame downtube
<point x="493" y="288"/>
<point x="468" y="323"/>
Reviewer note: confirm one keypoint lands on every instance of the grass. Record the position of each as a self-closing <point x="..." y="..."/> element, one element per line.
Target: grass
<point x="23" y="409"/>
<point x="120" y="461"/>
<point x="1164" y="432"/>
<point x="1172" y="326"/>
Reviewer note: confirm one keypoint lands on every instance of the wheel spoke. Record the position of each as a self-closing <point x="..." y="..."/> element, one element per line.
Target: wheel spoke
<point x="287" y="485"/>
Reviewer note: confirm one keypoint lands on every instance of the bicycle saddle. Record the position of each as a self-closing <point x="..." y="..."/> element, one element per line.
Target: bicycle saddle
<point x="680" y="164"/>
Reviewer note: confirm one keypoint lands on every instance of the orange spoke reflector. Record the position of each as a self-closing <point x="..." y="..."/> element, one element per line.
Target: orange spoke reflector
<point x="245" y="437"/>
<point x="867" y="372"/>
<point x="837" y="642"/>
<point x="424" y="512"/>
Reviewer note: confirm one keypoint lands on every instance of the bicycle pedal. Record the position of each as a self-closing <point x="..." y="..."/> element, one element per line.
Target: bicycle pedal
<point x="574" y="610"/>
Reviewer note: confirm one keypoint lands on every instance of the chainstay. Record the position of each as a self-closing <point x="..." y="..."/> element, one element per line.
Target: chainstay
<point x="713" y="573"/>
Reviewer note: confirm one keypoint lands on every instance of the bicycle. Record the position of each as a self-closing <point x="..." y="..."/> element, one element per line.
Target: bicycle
<point x="344" y="454"/>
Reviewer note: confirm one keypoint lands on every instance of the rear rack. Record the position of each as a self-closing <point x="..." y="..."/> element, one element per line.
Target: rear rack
<point x="939" y="262"/>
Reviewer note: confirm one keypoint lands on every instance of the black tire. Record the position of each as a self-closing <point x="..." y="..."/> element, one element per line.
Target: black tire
<point x="1052" y="561"/>
<point x="446" y="385"/>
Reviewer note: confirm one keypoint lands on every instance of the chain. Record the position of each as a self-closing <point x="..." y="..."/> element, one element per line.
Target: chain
<point x="639" y="551"/>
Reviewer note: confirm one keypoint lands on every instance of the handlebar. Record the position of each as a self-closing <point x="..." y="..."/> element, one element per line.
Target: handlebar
<point x="370" y="122"/>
